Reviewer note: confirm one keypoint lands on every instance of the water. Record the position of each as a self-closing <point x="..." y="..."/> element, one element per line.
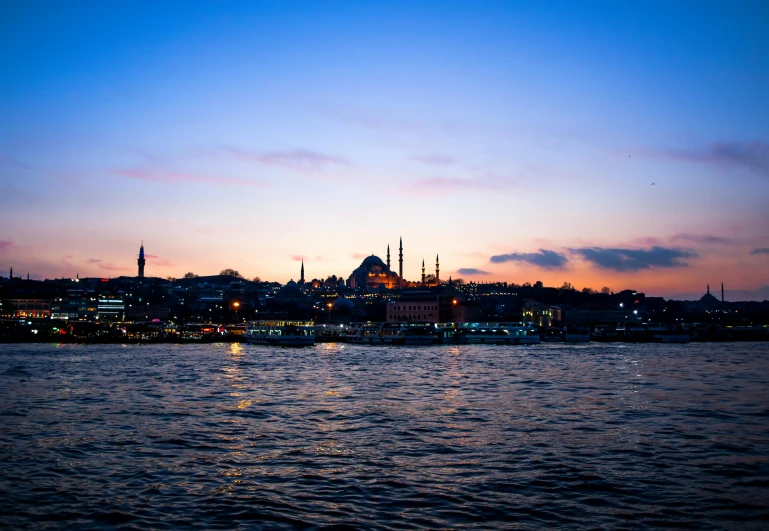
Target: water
<point x="355" y="437"/>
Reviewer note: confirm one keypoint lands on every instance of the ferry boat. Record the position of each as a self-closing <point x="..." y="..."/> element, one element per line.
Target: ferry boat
<point x="488" y="333"/>
<point x="413" y="334"/>
<point x="525" y="334"/>
<point x="330" y="333"/>
<point x="374" y="333"/>
<point x="282" y="333"/>
<point x="576" y="334"/>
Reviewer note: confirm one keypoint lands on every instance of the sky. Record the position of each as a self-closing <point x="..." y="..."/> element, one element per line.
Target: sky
<point x="619" y="144"/>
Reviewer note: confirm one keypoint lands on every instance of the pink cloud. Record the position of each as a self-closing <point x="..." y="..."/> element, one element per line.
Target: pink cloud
<point x="299" y="160"/>
<point x="175" y="178"/>
<point x="297" y="258"/>
<point x="6" y="245"/>
<point x="358" y="256"/>
<point x="93" y="260"/>
<point x="161" y="263"/>
<point x="110" y="267"/>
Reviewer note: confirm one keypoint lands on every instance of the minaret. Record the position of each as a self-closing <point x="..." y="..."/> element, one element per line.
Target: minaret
<point x="11" y="276"/>
<point x="708" y="289"/>
<point x="400" y="261"/>
<point x="141" y="261"/>
<point x="388" y="256"/>
<point x="423" y="270"/>
<point x="437" y="270"/>
<point x="301" y="277"/>
<point x="722" y="292"/>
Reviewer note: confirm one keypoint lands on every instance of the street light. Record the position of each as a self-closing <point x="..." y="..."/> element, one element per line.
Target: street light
<point x="236" y="305"/>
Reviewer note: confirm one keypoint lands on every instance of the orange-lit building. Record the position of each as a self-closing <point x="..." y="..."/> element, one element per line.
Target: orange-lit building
<point x="28" y="307"/>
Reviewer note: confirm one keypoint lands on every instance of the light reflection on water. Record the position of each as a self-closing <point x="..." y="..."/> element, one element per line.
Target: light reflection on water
<point x="438" y="437"/>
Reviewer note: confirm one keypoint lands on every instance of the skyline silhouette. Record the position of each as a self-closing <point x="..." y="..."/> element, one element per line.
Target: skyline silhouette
<point x="517" y="140"/>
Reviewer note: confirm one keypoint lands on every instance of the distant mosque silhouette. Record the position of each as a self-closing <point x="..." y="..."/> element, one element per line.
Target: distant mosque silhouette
<point x="373" y="273"/>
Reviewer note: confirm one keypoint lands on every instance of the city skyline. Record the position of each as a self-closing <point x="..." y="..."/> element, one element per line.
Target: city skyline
<point x="597" y="144"/>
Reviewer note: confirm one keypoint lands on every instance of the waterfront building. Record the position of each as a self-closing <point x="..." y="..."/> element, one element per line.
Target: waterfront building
<point x="36" y="308"/>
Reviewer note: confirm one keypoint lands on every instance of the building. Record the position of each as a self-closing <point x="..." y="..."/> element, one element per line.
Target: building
<point x="28" y="307"/>
<point x="416" y="306"/>
<point x="373" y="273"/>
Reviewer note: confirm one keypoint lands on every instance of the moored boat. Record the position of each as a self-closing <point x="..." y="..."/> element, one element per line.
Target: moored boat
<point x="281" y="333"/>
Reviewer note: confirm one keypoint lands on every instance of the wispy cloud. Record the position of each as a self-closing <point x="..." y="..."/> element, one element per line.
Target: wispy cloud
<point x="471" y="271"/>
<point x="111" y="267"/>
<point x="157" y="261"/>
<point x="445" y="185"/>
<point x="760" y="250"/>
<point x="358" y="256"/>
<point x="297" y="258"/>
<point x="635" y="259"/>
<point x="6" y="245"/>
<point x="544" y="259"/>
<point x="93" y="260"/>
<point x="702" y="239"/>
<point x="752" y="156"/>
<point x="177" y="178"/>
<point x="5" y="160"/>
<point x="299" y="160"/>
<point x="437" y="160"/>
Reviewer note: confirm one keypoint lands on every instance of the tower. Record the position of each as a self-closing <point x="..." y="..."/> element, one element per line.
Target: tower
<point x="437" y="270"/>
<point x="722" y="292"/>
<point x="10" y="277"/>
<point x="400" y="260"/>
<point x="388" y="256"/>
<point x="140" y="262"/>
<point x="423" y="270"/>
<point x="708" y="288"/>
<point x="301" y="276"/>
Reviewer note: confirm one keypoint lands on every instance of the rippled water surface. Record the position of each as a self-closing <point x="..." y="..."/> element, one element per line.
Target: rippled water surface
<point x="353" y="437"/>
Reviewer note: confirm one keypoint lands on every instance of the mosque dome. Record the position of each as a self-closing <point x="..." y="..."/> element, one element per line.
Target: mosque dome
<point x="372" y="261"/>
<point x="343" y="304"/>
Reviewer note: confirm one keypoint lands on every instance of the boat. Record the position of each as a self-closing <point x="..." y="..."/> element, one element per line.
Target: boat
<point x="330" y="333"/>
<point x="488" y="333"/>
<point x="524" y="334"/>
<point x="281" y="333"/>
<point x="576" y="334"/>
<point x="374" y="333"/>
<point x="413" y="334"/>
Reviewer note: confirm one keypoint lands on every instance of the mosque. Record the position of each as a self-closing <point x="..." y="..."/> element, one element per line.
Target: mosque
<point x="373" y="273"/>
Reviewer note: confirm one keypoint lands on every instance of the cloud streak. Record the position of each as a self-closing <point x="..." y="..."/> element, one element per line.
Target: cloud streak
<point x="753" y="156"/>
<point x="702" y="239"/>
<point x="436" y="160"/>
<point x="635" y="259"/>
<point x="544" y="259"/>
<point x="6" y="245"/>
<point x="447" y="185"/>
<point x="178" y="178"/>
<point x="760" y="250"/>
<point x="111" y="267"/>
<point x="298" y="160"/>
<point x="471" y="271"/>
